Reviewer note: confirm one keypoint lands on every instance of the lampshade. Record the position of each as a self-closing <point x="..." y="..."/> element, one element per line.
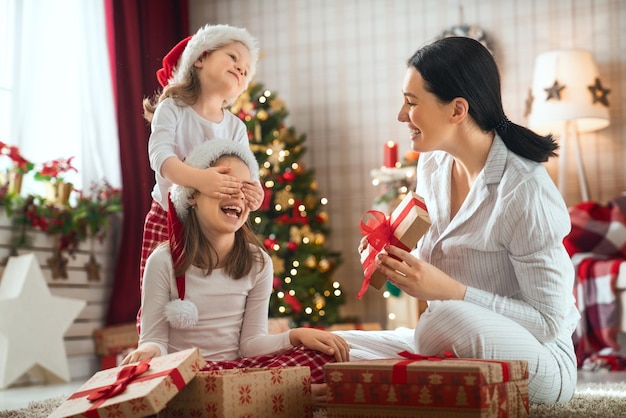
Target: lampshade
<point x="566" y="88"/>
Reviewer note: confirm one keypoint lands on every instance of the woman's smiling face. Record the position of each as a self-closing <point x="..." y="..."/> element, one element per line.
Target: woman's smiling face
<point x="426" y="117"/>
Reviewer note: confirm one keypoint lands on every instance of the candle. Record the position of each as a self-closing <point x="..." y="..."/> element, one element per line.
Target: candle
<point x="391" y="154"/>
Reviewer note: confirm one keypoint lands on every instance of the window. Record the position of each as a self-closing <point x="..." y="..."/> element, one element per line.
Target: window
<point x="56" y="98"/>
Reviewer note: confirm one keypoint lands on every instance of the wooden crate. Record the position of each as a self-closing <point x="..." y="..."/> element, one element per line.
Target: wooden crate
<point x="77" y="283"/>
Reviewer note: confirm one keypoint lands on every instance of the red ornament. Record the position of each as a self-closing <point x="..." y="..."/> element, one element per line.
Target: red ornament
<point x="289" y="176"/>
<point x="292" y="246"/>
<point x="269" y="243"/>
<point x="293" y="302"/>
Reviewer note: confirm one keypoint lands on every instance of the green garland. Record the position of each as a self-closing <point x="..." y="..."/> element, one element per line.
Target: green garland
<point x="89" y="217"/>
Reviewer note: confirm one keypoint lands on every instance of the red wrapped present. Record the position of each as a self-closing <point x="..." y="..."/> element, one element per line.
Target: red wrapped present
<point x="263" y="392"/>
<point x="422" y="386"/>
<point x="135" y="390"/>
<point x="408" y="222"/>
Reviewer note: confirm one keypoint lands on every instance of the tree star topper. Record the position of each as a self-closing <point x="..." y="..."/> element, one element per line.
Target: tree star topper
<point x="33" y="323"/>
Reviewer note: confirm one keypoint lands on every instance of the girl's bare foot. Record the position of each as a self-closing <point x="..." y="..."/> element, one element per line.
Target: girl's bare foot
<point x="319" y="394"/>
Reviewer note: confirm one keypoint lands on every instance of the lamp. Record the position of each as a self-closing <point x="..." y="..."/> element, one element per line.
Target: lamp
<point x="567" y="97"/>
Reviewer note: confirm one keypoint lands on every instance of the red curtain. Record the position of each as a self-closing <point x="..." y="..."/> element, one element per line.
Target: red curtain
<point x="141" y="32"/>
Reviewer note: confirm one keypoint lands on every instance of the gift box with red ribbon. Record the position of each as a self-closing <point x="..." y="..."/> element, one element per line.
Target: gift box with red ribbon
<point x="256" y="392"/>
<point x="114" y="342"/>
<point x="421" y="386"/>
<point x="408" y="222"/>
<point x="135" y="390"/>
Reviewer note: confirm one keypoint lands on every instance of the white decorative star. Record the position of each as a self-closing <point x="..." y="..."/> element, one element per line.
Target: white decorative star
<point x="32" y="323"/>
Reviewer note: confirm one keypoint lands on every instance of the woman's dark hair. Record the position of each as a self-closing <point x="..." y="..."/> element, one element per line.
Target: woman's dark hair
<point x="462" y="67"/>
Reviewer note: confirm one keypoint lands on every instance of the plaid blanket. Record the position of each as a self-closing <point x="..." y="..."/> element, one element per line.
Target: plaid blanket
<point x="597" y="246"/>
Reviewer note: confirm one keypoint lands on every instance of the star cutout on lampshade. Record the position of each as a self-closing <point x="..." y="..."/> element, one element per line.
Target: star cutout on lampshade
<point x="554" y="92"/>
<point x="32" y="323"/>
<point x="599" y="93"/>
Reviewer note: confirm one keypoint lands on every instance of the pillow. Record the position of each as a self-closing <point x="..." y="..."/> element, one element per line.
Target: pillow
<point x="597" y="228"/>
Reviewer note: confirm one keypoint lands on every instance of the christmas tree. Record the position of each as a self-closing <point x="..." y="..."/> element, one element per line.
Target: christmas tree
<point x="292" y="221"/>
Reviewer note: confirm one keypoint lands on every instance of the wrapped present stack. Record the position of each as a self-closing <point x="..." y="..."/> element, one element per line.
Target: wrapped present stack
<point x="263" y="392"/>
<point x="430" y="387"/>
<point x="175" y="385"/>
<point x="408" y="222"/>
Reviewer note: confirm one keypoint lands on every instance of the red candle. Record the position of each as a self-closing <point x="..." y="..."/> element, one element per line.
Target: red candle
<point x="391" y="154"/>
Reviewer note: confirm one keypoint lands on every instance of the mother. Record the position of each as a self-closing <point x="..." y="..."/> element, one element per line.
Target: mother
<point x="492" y="265"/>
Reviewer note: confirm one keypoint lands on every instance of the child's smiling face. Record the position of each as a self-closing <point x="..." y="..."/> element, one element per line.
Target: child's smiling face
<point x="224" y="216"/>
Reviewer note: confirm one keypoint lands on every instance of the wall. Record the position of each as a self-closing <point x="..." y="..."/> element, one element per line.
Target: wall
<point x="338" y="65"/>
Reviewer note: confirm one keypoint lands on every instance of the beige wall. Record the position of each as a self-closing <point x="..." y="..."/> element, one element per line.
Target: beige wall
<point x="338" y="64"/>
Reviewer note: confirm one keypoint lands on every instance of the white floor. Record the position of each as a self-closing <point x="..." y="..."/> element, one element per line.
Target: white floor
<point x="19" y="397"/>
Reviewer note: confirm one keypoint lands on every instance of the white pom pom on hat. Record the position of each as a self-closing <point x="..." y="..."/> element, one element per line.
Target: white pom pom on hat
<point x="178" y="62"/>
<point x="181" y="314"/>
<point x="204" y="156"/>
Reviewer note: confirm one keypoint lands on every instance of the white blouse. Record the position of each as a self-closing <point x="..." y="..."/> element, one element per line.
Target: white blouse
<point x="505" y="242"/>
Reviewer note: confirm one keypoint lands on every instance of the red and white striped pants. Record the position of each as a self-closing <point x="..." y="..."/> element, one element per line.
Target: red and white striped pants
<point x="154" y="233"/>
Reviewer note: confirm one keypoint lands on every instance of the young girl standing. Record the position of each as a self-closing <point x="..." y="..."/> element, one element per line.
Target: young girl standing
<point x="201" y="76"/>
<point x="209" y="286"/>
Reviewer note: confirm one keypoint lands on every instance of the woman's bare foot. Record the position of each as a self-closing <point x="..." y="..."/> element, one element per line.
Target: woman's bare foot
<point x="319" y="394"/>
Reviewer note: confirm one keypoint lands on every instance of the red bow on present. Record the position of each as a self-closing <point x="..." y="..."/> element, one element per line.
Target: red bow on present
<point x="124" y="378"/>
<point x="399" y="371"/>
<point x="377" y="227"/>
<point x="170" y="61"/>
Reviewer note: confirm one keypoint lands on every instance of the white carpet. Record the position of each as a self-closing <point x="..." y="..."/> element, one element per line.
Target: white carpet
<point x="592" y="400"/>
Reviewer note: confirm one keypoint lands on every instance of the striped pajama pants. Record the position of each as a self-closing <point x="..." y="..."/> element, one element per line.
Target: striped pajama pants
<point x="471" y="331"/>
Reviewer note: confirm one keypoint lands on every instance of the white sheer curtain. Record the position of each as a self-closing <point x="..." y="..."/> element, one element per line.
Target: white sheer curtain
<point x="61" y="93"/>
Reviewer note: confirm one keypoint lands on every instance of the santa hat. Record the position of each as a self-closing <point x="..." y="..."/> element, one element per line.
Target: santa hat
<point x="178" y="62"/>
<point x="181" y="313"/>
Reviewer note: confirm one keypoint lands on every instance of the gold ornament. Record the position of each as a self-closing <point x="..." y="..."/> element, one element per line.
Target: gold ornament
<point x="295" y="235"/>
<point x="279" y="265"/>
<point x="323" y="216"/>
<point x="310" y="262"/>
<point x="284" y="198"/>
<point x="320" y="238"/>
<point x="324" y="265"/>
<point x="262" y="115"/>
<point x="319" y="301"/>
<point x="298" y="234"/>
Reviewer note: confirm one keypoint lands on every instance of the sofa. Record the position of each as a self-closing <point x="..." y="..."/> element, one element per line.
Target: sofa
<point x="597" y="247"/>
